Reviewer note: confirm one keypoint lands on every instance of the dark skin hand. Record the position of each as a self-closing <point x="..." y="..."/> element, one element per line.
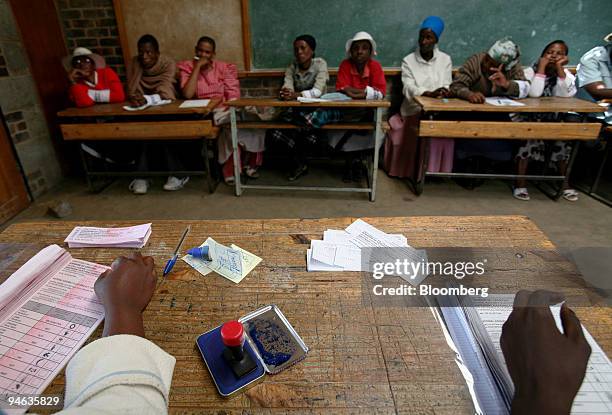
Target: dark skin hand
<point x="83" y="69"/>
<point x="493" y="70"/>
<point x="361" y="51"/>
<point x="546" y="366"/>
<point x="553" y="60"/>
<point x="205" y="53"/>
<point x="303" y="56"/>
<point x="126" y="290"/>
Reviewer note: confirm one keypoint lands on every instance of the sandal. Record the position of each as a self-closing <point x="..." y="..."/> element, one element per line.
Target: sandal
<point x="251" y="172"/>
<point x="521" y="193"/>
<point x="570" y="195"/>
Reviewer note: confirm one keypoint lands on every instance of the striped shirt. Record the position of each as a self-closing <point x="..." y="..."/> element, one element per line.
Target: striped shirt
<point x="218" y="81"/>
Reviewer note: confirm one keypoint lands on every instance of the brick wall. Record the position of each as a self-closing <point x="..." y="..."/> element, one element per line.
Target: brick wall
<point x="92" y="24"/>
<point x="22" y="111"/>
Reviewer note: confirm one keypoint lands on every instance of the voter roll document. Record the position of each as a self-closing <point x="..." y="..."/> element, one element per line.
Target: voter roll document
<point x="48" y="309"/>
<point x="126" y="237"/>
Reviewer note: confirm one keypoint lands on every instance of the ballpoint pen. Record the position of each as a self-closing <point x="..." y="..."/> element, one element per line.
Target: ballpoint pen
<point x="172" y="260"/>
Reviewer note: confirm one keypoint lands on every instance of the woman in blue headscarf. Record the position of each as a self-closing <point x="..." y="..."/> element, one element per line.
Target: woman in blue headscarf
<point x="428" y="72"/>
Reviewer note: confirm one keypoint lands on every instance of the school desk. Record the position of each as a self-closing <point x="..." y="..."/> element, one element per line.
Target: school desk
<point x="110" y="122"/>
<point x="364" y="357"/>
<point x="430" y="127"/>
<point x="376" y="126"/>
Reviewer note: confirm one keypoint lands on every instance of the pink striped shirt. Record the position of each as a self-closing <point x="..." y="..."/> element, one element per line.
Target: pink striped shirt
<point x="219" y="81"/>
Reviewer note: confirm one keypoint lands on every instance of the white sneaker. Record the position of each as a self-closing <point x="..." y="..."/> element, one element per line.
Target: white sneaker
<point x="139" y="186"/>
<point x="174" y="183"/>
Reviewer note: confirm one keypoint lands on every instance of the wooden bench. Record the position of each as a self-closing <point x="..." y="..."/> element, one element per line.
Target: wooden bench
<point x="430" y="127"/>
<point x="110" y="122"/>
<point x="378" y="126"/>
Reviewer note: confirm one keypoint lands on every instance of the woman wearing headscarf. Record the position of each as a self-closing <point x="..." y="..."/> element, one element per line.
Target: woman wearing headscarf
<point x="307" y="77"/>
<point x="427" y="72"/>
<point x="496" y="72"/>
<point x="549" y="78"/>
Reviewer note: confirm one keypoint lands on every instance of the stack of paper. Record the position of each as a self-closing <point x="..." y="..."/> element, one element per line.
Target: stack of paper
<point x="473" y="329"/>
<point x="340" y="250"/>
<point x="128" y="237"/>
<point x="233" y="263"/>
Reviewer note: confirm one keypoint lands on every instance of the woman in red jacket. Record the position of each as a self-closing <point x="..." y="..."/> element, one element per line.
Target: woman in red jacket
<point x="92" y="82"/>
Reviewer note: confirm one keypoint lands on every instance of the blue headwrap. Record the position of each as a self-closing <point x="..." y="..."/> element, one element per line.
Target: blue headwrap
<point x="435" y="23"/>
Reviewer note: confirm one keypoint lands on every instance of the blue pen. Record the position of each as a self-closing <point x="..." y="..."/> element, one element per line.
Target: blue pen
<point x="172" y="261"/>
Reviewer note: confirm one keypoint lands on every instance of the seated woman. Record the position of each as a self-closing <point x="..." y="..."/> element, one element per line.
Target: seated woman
<point x="150" y="79"/>
<point x="306" y="76"/>
<point x="359" y="77"/>
<point x="496" y="72"/>
<point x="205" y="77"/>
<point x="548" y="78"/>
<point x="91" y="81"/>
<point x="427" y="72"/>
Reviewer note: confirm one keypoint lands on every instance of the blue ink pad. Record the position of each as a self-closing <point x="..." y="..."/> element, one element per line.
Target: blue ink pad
<point x="270" y="340"/>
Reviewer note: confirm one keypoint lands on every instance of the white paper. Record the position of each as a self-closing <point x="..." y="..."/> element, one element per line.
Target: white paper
<point x="503" y="102"/>
<point x="195" y="103"/>
<point x="312" y="265"/>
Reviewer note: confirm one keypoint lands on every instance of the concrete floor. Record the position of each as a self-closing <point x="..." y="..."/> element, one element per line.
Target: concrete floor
<point x="581" y="230"/>
<point x="586" y="223"/>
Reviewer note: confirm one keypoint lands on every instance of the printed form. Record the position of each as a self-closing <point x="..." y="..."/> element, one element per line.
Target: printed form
<point x="46" y="322"/>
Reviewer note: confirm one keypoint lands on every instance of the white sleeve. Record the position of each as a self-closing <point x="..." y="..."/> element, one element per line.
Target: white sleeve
<point x="99" y="95"/>
<point x="312" y="93"/>
<point x="565" y="87"/>
<point x="119" y="374"/>
<point x="410" y="88"/>
<point x="537" y="86"/>
<point x="371" y="93"/>
<point x="523" y="88"/>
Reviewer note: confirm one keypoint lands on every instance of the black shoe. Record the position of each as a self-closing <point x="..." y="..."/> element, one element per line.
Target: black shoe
<point x="299" y="171"/>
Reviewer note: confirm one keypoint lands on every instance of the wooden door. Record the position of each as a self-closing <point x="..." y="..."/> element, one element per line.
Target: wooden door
<point x="13" y="196"/>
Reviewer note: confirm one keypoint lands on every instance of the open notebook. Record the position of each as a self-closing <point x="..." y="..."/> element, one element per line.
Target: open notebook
<point x="48" y="309"/>
<point x="473" y="329"/>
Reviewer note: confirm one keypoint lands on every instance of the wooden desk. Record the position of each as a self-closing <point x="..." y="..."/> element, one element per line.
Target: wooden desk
<point x="430" y="128"/>
<point x="110" y="122"/>
<point x="376" y="126"/>
<point x="363" y="358"/>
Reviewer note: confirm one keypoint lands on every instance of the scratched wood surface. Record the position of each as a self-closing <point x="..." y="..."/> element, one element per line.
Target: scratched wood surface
<point x="365" y="356"/>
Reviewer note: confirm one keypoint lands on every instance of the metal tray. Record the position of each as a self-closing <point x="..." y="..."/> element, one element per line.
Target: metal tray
<point x="273" y="339"/>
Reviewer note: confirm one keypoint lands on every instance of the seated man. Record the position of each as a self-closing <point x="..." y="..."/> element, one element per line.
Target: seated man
<point x="496" y="72"/>
<point x="150" y="80"/>
<point x="91" y="81"/>
<point x="594" y="75"/>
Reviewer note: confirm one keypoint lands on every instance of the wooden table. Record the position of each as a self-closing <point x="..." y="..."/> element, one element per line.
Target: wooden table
<point x="363" y="358"/>
<point x="110" y="122"/>
<point x="431" y="128"/>
<point x="376" y="126"/>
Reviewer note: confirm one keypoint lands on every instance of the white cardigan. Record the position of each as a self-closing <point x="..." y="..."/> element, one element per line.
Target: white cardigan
<point x="564" y="88"/>
<point x="118" y="375"/>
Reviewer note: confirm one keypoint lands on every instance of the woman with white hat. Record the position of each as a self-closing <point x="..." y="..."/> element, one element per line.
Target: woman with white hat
<point x="92" y="82"/>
